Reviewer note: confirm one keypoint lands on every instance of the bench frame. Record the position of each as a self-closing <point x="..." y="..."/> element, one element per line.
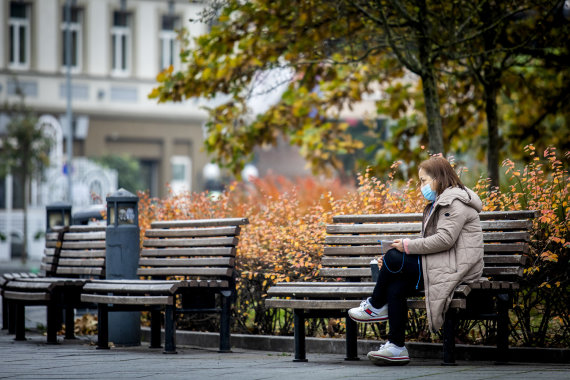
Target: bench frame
<point x="471" y="301"/>
<point x="67" y="263"/>
<point x="166" y="242"/>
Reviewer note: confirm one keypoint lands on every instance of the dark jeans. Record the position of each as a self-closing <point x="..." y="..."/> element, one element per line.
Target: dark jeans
<point x="397" y="280"/>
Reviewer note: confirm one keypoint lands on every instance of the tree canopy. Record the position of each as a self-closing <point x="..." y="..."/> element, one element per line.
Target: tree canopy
<point x="428" y="58"/>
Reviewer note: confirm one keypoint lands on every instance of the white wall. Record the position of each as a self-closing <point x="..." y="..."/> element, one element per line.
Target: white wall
<point x="98" y="39"/>
<point x="46" y="31"/>
<point x="146" y="25"/>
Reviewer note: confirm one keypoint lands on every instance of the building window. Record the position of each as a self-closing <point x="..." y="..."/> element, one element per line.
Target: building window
<point x="19" y="26"/>
<point x="121" y="43"/>
<point x="168" y="43"/>
<point x="75" y="28"/>
<point x="181" y="167"/>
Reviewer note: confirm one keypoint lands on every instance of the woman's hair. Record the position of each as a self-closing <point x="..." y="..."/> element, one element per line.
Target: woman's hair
<point x="441" y="171"/>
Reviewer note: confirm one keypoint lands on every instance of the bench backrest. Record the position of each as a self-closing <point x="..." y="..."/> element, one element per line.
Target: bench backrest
<point x="352" y="242"/>
<point x="77" y="251"/>
<point x="193" y="249"/>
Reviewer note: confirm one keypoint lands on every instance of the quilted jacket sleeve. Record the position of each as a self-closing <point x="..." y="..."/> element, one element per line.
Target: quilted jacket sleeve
<point x="451" y="220"/>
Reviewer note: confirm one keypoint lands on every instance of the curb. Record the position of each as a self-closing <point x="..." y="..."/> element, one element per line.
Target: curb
<point x="285" y="344"/>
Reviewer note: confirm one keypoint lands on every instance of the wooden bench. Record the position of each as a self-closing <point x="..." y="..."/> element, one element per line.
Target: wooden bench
<point x="183" y="266"/>
<point x="72" y="257"/>
<point x="352" y="242"/>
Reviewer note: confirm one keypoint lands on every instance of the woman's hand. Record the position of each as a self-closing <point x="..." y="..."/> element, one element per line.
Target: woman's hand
<point x="398" y="244"/>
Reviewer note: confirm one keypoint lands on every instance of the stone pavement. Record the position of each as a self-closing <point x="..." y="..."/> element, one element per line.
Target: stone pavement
<point x="79" y="359"/>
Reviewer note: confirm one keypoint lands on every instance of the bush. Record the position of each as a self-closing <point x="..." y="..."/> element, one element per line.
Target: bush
<point x="284" y="242"/>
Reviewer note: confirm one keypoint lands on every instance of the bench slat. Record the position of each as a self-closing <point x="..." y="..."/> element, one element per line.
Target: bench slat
<point x="365" y="272"/>
<point x="200" y="223"/>
<point x="200" y="251"/>
<point x="74" y="236"/>
<point x="80" y="271"/>
<point x="456" y="303"/>
<point x="374" y="239"/>
<point x="95" y="244"/>
<point x="417" y="217"/>
<point x="173" y="271"/>
<point x="503" y="271"/>
<point x="195" y="262"/>
<point x="125" y="300"/>
<point x="26" y="296"/>
<point x="83" y="262"/>
<point x="328" y="261"/>
<point x="194" y="232"/>
<point x="138" y="287"/>
<point x="505" y="225"/>
<point x="198" y="242"/>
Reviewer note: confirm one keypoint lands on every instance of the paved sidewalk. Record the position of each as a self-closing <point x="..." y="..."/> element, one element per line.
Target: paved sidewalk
<point x="79" y="359"/>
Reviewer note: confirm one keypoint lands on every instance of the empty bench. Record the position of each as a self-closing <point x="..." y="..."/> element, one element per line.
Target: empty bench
<point x="72" y="257"/>
<point x="183" y="266"/>
<point x="352" y="242"/>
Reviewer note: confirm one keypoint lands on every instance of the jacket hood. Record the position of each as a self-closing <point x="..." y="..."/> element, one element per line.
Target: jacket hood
<point x="467" y="196"/>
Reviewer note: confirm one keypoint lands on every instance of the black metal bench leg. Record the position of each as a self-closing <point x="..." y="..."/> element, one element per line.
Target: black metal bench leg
<point x="53" y="323"/>
<point x="11" y="317"/>
<point x="449" y="338"/>
<point x="4" y="314"/>
<point x="69" y="322"/>
<point x="102" y="327"/>
<point x="503" y="328"/>
<point x="169" y="331"/>
<point x="19" y="312"/>
<point x="351" y="339"/>
<point x="299" y="329"/>
<point x="155" y="329"/>
<point x="225" y="324"/>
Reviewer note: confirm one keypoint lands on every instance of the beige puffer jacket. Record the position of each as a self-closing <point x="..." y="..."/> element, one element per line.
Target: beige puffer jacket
<point x="451" y="248"/>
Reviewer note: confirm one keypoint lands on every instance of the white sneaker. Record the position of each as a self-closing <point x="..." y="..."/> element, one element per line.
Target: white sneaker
<point x="389" y="354"/>
<point x="366" y="313"/>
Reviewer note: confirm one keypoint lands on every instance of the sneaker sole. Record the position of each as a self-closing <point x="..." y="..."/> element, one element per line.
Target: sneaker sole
<point x="370" y="320"/>
<point x="385" y="360"/>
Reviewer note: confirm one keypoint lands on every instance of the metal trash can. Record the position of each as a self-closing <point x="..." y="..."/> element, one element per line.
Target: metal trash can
<point x="122" y="259"/>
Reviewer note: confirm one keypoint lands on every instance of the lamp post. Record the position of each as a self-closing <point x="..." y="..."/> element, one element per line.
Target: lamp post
<point x="68" y="113"/>
<point x="58" y="214"/>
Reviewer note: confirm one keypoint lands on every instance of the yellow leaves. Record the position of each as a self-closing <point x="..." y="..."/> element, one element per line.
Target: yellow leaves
<point x="549" y="256"/>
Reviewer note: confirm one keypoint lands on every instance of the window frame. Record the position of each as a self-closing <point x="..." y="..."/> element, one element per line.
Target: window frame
<point x="118" y="32"/>
<point x="76" y="27"/>
<point x="169" y="44"/>
<point x="14" y="43"/>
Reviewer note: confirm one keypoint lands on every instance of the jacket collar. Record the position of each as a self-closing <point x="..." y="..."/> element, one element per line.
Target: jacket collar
<point x="467" y="196"/>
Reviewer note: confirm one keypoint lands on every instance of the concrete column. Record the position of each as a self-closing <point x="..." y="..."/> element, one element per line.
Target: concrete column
<point x="165" y="168"/>
<point x="46" y="29"/>
<point x="98" y="38"/>
<point x="146" y="30"/>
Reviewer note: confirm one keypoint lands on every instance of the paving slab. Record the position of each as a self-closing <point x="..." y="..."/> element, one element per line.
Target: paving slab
<point x="79" y="359"/>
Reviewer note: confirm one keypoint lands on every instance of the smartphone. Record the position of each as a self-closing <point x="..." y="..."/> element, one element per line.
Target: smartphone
<point x="385" y="245"/>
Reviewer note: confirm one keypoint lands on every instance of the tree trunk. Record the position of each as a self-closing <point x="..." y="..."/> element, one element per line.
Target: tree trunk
<point x="431" y="99"/>
<point x="491" y="91"/>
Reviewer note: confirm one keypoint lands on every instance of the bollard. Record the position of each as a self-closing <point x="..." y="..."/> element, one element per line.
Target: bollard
<point x="122" y="259"/>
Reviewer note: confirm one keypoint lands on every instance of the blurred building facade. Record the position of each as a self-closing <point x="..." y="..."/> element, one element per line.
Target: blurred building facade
<point x="117" y="49"/>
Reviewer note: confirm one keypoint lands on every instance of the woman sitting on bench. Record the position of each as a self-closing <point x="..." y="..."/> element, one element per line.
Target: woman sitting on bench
<point x="449" y="252"/>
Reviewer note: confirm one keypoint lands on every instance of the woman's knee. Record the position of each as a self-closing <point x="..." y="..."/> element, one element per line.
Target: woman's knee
<point x="393" y="259"/>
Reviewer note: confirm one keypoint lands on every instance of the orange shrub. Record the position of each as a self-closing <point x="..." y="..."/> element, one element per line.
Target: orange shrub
<point x="285" y="237"/>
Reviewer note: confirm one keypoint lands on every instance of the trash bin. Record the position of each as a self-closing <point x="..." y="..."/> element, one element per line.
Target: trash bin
<point x="122" y="259"/>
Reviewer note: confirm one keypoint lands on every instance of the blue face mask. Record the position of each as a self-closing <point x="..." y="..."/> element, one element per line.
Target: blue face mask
<point x="428" y="193"/>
